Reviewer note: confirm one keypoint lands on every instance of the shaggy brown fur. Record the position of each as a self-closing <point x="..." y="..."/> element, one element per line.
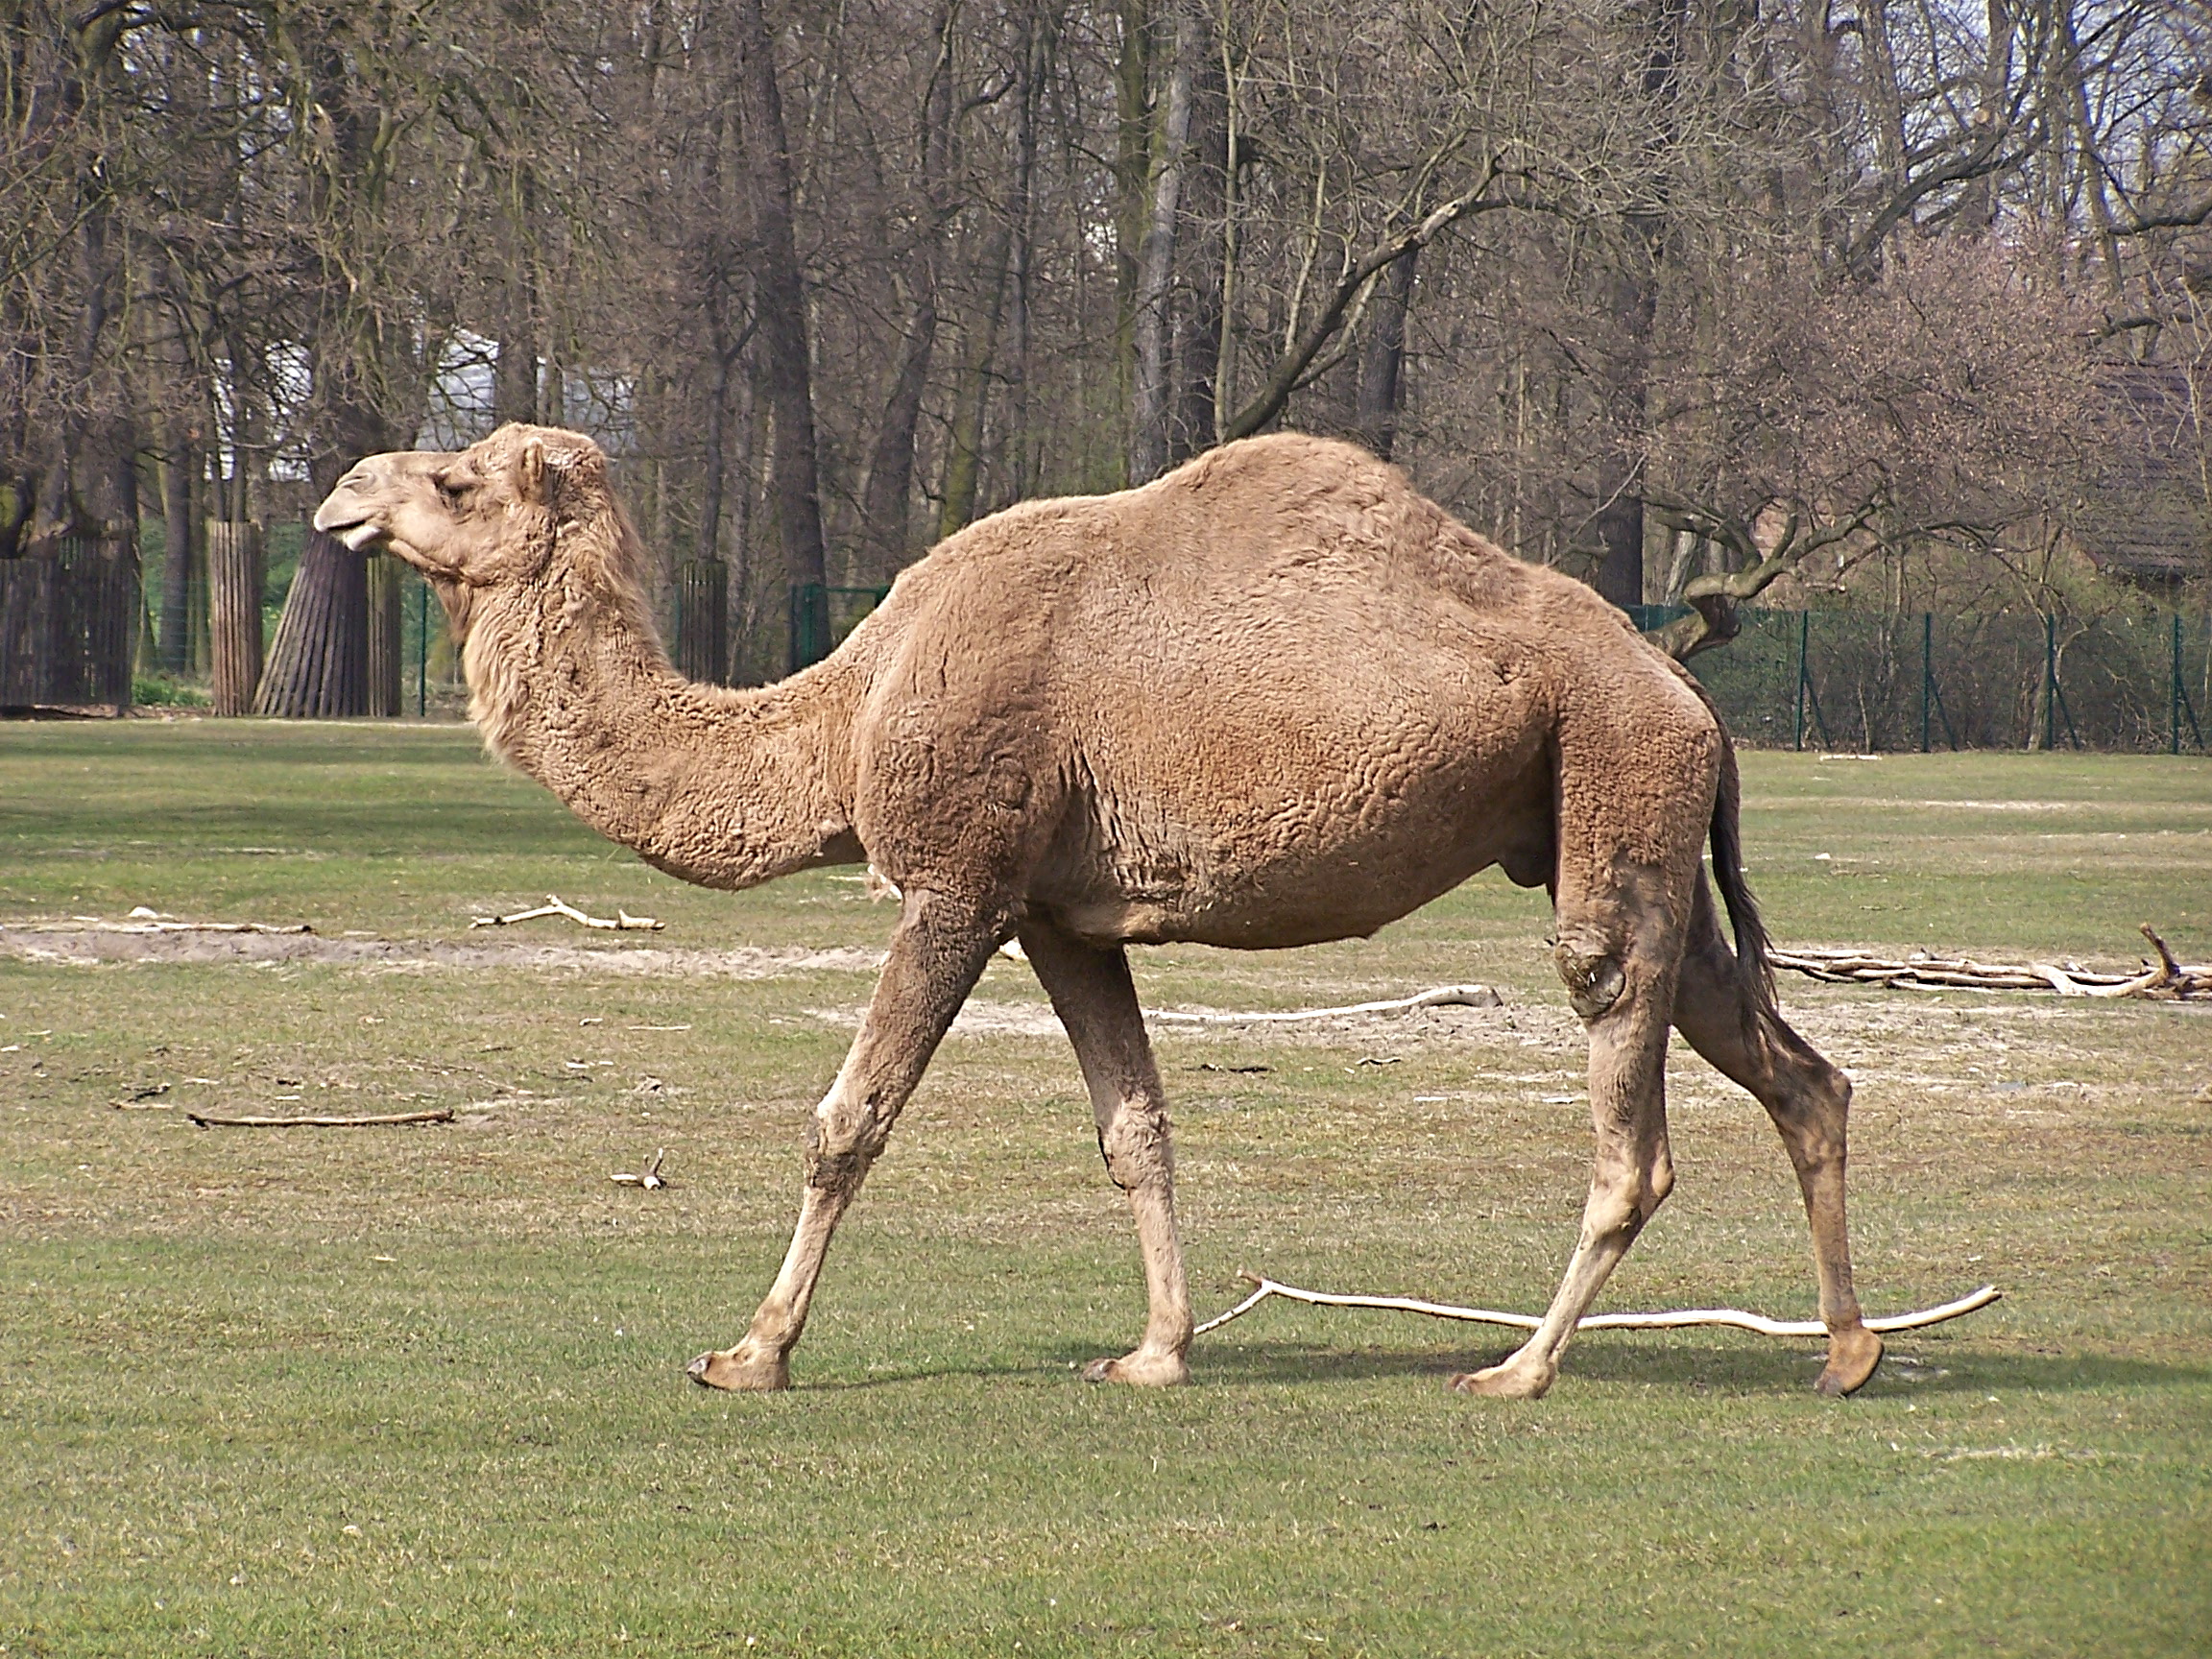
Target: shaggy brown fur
<point x="1275" y="697"/>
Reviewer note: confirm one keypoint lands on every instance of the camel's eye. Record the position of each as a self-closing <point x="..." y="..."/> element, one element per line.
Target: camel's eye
<point x="454" y="486"/>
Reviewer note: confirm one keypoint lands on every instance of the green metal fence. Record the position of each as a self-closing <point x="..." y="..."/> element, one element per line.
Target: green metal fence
<point x="821" y="616"/>
<point x="1876" y="681"/>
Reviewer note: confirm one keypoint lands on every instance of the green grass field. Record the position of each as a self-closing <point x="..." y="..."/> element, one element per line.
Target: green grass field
<point x="419" y="1391"/>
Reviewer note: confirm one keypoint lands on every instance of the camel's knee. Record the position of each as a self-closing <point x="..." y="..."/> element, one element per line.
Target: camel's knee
<point x="1135" y="1143"/>
<point x="1592" y="975"/>
<point x="845" y="1139"/>
<point x="1624" y="1199"/>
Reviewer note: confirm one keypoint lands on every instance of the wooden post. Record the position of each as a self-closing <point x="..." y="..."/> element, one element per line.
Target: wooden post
<point x="387" y="653"/>
<point x="318" y="661"/>
<point x="703" y="620"/>
<point x="234" y="567"/>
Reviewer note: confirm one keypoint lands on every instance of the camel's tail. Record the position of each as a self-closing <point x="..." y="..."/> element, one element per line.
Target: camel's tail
<point x="1751" y="944"/>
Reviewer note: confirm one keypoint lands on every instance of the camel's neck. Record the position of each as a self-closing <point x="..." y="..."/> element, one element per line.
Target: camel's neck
<point x="726" y="788"/>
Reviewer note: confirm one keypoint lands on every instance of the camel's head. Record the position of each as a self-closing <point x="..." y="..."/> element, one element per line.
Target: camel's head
<point x="480" y="519"/>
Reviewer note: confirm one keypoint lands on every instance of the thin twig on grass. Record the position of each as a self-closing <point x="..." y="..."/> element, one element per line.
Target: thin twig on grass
<point x="2170" y="980"/>
<point x="207" y="1120"/>
<point x="649" y="1178"/>
<point x="1668" y="1321"/>
<point x="1442" y="997"/>
<point x="622" y="922"/>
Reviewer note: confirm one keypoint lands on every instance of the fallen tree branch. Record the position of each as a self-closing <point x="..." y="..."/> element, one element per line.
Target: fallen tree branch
<point x="2170" y="980"/>
<point x="1758" y="1322"/>
<point x="623" y="921"/>
<point x="208" y="1120"/>
<point x="1443" y="997"/>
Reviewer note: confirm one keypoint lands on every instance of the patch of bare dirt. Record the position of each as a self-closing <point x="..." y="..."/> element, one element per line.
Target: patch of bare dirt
<point x="94" y="944"/>
<point x="1418" y="1029"/>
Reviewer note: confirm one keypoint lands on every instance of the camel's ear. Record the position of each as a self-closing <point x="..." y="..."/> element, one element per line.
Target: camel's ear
<point x="530" y="471"/>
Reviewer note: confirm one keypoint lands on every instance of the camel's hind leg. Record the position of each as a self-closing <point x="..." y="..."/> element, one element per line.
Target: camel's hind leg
<point x="1809" y="1100"/>
<point x="1617" y="952"/>
<point x="1091" y="993"/>
<point x="936" y="956"/>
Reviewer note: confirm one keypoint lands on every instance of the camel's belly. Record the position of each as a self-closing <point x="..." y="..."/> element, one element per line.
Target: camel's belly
<point x="1295" y="868"/>
<point x="1260" y="920"/>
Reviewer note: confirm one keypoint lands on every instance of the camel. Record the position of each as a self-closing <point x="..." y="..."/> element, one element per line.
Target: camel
<point x="1273" y="698"/>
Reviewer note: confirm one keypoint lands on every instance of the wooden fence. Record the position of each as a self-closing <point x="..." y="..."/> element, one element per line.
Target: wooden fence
<point x="69" y="626"/>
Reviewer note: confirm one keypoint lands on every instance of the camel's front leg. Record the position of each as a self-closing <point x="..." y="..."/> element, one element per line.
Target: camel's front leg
<point x="1625" y="1004"/>
<point x="936" y="956"/>
<point x="1091" y="993"/>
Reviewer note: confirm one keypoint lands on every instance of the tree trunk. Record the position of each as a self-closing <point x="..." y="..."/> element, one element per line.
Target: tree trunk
<point x="1382" y="361"/>
<point x="780" y="301"/>
<point x="1201" y="258"/>
<point x="514" y="371"/>
<point x="890" y="485"/>
<point x="1149" y="392"/>
<point x="970" y="400"/>
<point x="1025" y="450"/>
<point x="1132" y="172"/>
<point x="1632" y="297"/>
<point x="1621" y="506"/>
<point x="179" y="461"/>
<point x="1978" y="200"/>
<point x="234" y="580"/>
<point x="319" y="663"/>
<point x="714" y="464"/>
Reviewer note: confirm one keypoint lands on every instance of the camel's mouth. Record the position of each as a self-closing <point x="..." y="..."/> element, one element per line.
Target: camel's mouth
<point x="360" y="534"/>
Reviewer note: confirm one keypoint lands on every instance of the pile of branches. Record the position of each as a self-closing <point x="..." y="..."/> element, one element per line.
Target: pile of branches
<point x="2165" y="980"/>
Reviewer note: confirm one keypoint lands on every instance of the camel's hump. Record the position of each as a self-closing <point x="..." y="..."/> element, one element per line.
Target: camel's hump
<point x="1255" y="501"/>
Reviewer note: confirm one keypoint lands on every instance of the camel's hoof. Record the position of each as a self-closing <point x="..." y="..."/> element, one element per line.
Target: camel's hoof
<point x="1851" y="1356"/>
<point x="733" y="1370"/>
<point x="1506" y="1381"/>
<point x="1141" y="1370"/>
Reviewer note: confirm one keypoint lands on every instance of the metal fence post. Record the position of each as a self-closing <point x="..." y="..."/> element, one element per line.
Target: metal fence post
<point x="809" y="624"/>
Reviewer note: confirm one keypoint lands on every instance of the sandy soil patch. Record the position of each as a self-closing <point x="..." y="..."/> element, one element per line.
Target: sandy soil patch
<point x="94" y="944"/>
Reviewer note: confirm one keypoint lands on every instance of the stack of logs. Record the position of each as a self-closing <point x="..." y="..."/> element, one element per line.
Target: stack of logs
<point x="2168" y="981"/>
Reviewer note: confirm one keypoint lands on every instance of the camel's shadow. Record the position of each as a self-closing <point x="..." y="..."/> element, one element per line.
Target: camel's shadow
<point x="1919" y="1369"/>
<point x="1922" y="1370"/>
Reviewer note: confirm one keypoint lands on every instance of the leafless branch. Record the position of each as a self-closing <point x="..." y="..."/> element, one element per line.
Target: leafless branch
<point x="623" y="921"/>
<point x="1736" y="1317"/>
